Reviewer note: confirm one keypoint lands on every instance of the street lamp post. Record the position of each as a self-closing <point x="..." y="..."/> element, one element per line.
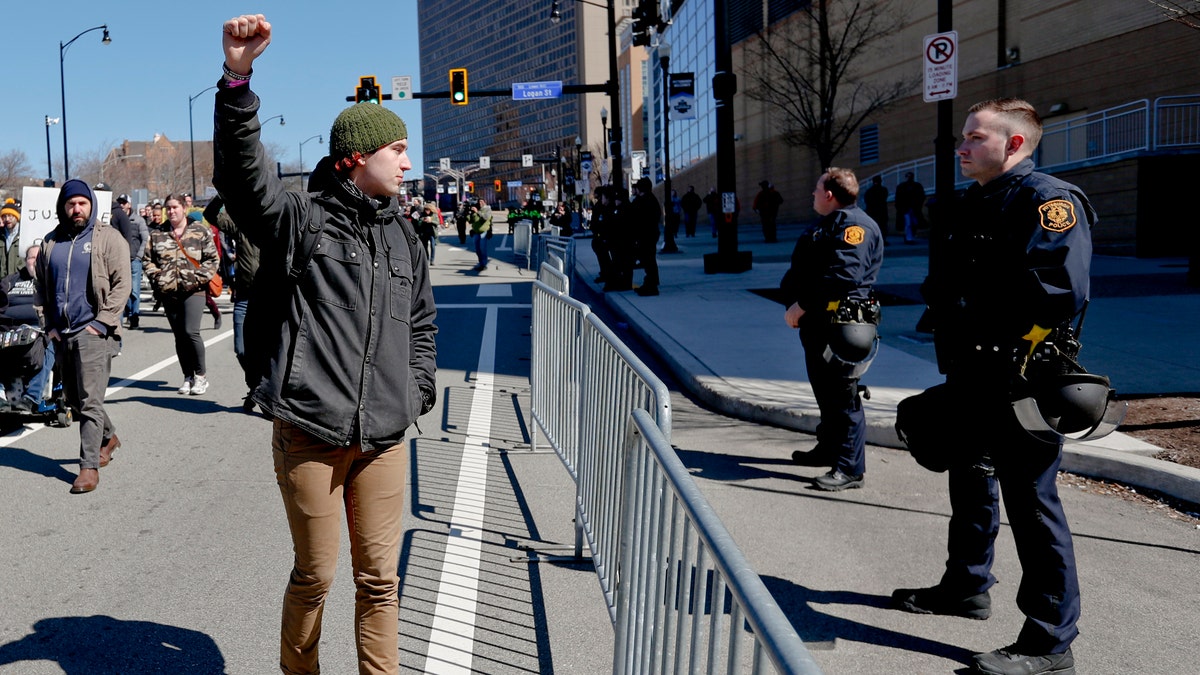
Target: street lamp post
<point x="613" y="140"/>
<point x="320" y="139"/>
<point x="62" y="86"/>
<point x="192" y="136"/>
<point x="49" y="167"/>
<point x="664" y="62"/>
<point x="604" y="128"/>
<point x="579" y="171"/>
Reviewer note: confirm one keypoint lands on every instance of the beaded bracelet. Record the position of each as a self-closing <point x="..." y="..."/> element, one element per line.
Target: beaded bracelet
<point x="235" y="77"/>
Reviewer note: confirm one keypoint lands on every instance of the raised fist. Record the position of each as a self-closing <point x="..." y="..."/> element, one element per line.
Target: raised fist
<point x="244" y="38"/>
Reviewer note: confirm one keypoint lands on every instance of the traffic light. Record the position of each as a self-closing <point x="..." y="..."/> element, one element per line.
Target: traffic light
<point x="367" y="90"/>
<point x="644" y="18"/>
<point x="496" y="183"/>
<point x="471" y="186"/>
<point x="458" y="86"/>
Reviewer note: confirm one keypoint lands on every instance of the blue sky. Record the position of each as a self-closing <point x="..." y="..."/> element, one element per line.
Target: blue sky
<point x="164" y="52"/>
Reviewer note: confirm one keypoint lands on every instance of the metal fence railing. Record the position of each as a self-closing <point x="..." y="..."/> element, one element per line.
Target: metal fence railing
<point x="1169" y="123"/>
<point x="585" y="385"/>
<point x="1177" y="121"/>
<point x="522" y="238"/>
<point x="689" y="602"/>
<point x="1101" y="135"/>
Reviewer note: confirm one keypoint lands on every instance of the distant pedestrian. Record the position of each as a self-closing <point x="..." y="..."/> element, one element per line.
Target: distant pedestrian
<point x="137" y="235"/>
<point x="479" y="217"/>
<point x="245" y="262"/>
<point x="910" y="207"/>
<point x="10" y="216"/>
<point x="426" y="223"/>
<point x="645" y="218"/>
<point x="875" y="200"/>
<point x="622" y="241"/>
<point x="690" y="202"/>
<point x="353" y="351"/>
<point x="179" y="261"/>
<point x="461" y="220"/>
<point x="600" y="224"/>
<point x="82" y="286"/>
<point x="562" y="219"/>
<point x="829" y="294"/>
<point x="210" y="301"/>
<point x="766" y="205"/>
<point x="712" y="204"/>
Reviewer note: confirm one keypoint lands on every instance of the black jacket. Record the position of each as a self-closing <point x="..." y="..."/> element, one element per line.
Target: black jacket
<point x="1016" y="252"/>
<point x="353" y="347"/>
<point x="837" y="258"/>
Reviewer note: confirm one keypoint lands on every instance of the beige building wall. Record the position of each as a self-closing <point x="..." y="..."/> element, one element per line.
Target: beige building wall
<point x="1089" y="56"/>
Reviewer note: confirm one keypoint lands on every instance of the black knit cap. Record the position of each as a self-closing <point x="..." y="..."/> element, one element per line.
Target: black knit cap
<point x="363" y="128"/>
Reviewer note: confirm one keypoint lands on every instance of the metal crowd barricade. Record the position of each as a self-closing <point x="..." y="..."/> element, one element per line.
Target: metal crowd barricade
<point x="554" y="380"/>
<point x="688" y="600"/>
<point x="551" y="273"/>
<point x="522" y="237"/>
<point x="614" y="382"/>
<point x="561" y="247"/>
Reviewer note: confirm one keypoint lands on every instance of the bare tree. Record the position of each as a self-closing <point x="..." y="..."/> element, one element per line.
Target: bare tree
<point x="15" y="169"/>
<point x="806" y="68"/>
<point x="1186" y="13"/>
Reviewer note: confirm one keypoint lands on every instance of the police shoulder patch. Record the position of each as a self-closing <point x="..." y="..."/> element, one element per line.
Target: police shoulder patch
<point x="854" y="235"/>
<point x="1057" y="215"/>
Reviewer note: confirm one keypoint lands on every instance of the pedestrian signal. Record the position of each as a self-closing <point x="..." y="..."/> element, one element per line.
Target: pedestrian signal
<point x="367" y="90"/>
<point x="497" y="184"/>
<point x="471" y="186"/>
<point x="458" y="86"/>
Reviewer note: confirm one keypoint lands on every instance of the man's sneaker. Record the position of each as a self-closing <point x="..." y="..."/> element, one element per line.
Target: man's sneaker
<point x="1010" y="661"/>
<point x="937" y="600"/>
<point x="187" y="387"/>
<point x="199" y="385"/>
<point x="836" y="481"/>
<point x="134" y="321"/>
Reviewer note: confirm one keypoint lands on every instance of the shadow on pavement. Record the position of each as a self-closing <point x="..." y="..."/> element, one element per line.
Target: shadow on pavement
<point x="820" y="630"/>
<point x="98" y="645"/>
<point x="23" y="460"/>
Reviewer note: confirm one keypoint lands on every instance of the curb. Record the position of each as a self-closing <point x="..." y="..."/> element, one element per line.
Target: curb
<point x="1117" y="458"/>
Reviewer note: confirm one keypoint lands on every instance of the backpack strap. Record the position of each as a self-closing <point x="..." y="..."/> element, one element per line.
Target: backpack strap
<point x="310" y="236"/>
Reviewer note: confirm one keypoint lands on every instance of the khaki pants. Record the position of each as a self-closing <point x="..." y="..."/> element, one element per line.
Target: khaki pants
<point x="317" y="481"/>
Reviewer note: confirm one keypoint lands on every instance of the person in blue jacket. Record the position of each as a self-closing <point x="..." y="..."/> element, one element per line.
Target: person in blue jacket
<point x="1008" y="268"/>
<point x="834" y="266"/>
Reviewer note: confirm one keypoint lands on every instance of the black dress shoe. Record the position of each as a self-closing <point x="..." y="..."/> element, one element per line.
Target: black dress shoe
<point x="217" y="322"/>
<point x="941" y="600"/>
<point x="134" y="320"/>
<point x="836" y="481"/>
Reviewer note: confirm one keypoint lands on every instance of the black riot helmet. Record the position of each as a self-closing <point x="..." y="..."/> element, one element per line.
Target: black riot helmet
<point x="852" y="342"/>
<point x="1072" y="403"/>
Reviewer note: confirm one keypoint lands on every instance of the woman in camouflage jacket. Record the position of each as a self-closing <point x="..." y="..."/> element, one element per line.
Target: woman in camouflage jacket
<point x="179" y="260"/>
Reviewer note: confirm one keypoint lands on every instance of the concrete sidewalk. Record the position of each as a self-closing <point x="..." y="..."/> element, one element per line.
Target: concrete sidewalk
<point x="730" y="348"/>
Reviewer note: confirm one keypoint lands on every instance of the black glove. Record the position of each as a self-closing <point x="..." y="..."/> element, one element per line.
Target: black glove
<point x="428" y="398"/>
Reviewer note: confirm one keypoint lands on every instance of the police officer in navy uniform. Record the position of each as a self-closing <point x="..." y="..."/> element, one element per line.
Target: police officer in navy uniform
<point x="835" y="264"/>
<point x="1009" y="267"/>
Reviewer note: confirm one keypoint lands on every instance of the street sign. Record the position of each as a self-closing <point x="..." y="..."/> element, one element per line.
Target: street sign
<point x="525" y="91"/>
<point x="444" y="163"/>
<point x="682" y="100"/>
<point x="526" y="160"/>
<point x="402" y="87"/>
<point x="485" y="162"/>
<point x="728" y="203"/>
<point x="940" y="59"/>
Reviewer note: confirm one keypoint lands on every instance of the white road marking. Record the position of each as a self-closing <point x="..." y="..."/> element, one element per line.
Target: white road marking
<point x="452" y="640"/>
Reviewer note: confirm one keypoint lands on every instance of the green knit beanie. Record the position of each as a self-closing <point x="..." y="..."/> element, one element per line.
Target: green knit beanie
<point x="364" y="127"/>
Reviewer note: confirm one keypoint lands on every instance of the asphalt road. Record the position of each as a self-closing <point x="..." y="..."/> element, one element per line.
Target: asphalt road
<point x="177" y="563"/>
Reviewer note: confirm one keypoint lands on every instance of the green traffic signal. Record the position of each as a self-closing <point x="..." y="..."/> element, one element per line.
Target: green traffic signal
<point x="458" y="86"/>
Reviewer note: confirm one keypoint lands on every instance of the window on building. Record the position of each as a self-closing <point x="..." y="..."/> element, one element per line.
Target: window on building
<point x="868" y="144"/>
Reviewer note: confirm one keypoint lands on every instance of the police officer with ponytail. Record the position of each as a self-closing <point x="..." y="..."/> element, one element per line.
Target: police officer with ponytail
<point x="828" y="293"/>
